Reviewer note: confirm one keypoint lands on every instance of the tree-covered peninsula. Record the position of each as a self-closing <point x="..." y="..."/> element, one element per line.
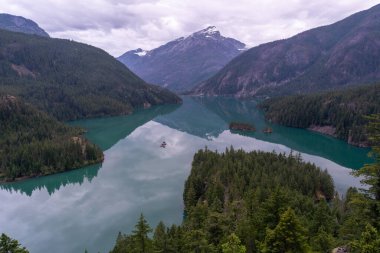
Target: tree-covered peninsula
<point x="238" y="202"/>
<point x="256" y="202"/>
<point x="32" y="143"/>
<point x="338" y="113"/>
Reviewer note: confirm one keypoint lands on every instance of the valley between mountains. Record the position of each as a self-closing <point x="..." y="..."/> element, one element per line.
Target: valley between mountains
<point x="222" y="147"/>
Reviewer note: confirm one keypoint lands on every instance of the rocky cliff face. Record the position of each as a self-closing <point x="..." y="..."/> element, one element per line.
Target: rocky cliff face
<point x="333" y="56"/>
<point x="20" y="24"/>
<point x="182" y="63"/>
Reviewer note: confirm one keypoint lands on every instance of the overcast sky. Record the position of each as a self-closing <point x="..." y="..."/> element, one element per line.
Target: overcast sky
<point x="117" y="26"/>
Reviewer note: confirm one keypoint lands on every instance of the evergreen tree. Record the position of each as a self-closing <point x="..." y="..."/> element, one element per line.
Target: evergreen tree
<point x="369" y="241"/>
<point x="371" y="172"/>
<point x="160" y="239"/>
<point x="9" y="245"/>
<point x="141" y="240"/>
<point x="287" y="237"/>
<point x="323" y="241"/>
<point x="196" y="242"/>
<point x="233" y="245"/>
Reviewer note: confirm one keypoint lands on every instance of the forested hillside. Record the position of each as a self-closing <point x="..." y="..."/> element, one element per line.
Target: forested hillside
<point x="33" y="143"/>
<point x="260" y="202"/>
<point x="338" y="113"/>
<point x="70" y="80"/>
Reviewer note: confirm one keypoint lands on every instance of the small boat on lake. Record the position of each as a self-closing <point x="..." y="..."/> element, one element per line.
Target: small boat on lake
<point x="163" y="144"/>
<point x="268" y="130"/>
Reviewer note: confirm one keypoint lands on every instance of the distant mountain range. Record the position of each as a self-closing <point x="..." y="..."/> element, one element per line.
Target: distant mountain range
<point x="329" y="57"/>
<point x="20" y="24"/>
<point x="182" y="63"/>
<point x="71" y="80"/>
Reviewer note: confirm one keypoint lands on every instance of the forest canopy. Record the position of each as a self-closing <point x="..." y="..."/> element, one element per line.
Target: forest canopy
<point x="343" y="110"/>
<point x="33" y="143"/>
<point x="240" y="202"/>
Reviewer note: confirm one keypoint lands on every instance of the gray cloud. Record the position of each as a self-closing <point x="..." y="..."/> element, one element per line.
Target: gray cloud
<point x="118" y="26"/>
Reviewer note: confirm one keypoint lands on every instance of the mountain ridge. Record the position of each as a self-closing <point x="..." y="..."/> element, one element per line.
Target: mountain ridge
<point x="20" y="24"/>
<point x="332" y="56"/>
<point x="72" y="80"/>
<point x="182" y="63"/>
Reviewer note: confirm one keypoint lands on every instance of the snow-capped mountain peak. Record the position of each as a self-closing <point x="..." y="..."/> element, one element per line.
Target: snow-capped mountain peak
<point x="208" y="32"/>
<point x="183" y="62"/>
<point x="140" y="52"/>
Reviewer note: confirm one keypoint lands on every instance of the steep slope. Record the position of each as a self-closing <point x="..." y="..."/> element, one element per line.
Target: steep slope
<point x="182" y="63"/>
<point x="70" y="80"/>
<point x="20" y="24"/>
<point x="33" y="143"/>
<point x="333" y="56"/>
<point x="340" y="113"/>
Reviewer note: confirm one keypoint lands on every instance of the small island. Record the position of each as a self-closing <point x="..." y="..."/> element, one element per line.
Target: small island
<point x="238" y="126"/>
<point x="267" y="130"/>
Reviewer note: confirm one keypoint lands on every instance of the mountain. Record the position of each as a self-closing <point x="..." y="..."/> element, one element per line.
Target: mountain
<point x="339" y="113"/>
<point x="20" y="24"/>
<point x="334" y="56"/>
<point x="71" y="80"/>
<point x="33" y="143"/>
<point x="182" y="63"/>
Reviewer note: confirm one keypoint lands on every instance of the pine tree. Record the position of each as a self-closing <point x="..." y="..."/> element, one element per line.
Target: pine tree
<point x="9" y="245"/>
<point x="233" y="245"/>
<point x="371" y="172"/>
<point x="288" y="236"/>
<point x="369" y="241"/>
<point x="142" y="242"/>
<point x="160" y="238"/>
<point x="196" y="242"/>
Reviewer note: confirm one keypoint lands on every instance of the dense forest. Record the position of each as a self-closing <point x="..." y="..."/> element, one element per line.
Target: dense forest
<point x="338" y="113"/>
<point x="71" y="80"/>
<point x="238" y="202"/>
<point x="33" y="143"/>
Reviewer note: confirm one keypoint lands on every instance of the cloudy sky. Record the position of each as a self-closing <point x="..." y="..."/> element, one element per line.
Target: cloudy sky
<point x="120" y="25"/>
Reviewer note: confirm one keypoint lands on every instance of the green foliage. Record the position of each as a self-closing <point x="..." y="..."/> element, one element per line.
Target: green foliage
<point x="232" y="199"/>
<point x="233" y="245"/>
<point x="71" y="80"/>
<point x="287" y="237"/>
<point x="160" y="239"/>
<point x="142" y="243"/>
<point x="33" y="143"/>
<point x="342" y="110"/>
<point x="9" y="245"/>
<point x="137" y="242"/>
<point x="371" y="172"/>
<point x="241" y="201"/>
<point x="369" y="242"/>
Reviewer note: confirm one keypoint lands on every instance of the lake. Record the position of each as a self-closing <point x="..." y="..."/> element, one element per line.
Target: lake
<point x="86" y="208"/>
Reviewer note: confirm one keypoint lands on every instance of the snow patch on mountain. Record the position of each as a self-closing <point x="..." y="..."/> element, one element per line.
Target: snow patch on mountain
<point x="142" y="53"/>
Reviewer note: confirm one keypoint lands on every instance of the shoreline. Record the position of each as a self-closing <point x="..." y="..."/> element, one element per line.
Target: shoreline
<point x="25" y="178"/>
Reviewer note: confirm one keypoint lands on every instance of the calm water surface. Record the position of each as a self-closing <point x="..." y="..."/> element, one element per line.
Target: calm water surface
<point x="86" y="208"/>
